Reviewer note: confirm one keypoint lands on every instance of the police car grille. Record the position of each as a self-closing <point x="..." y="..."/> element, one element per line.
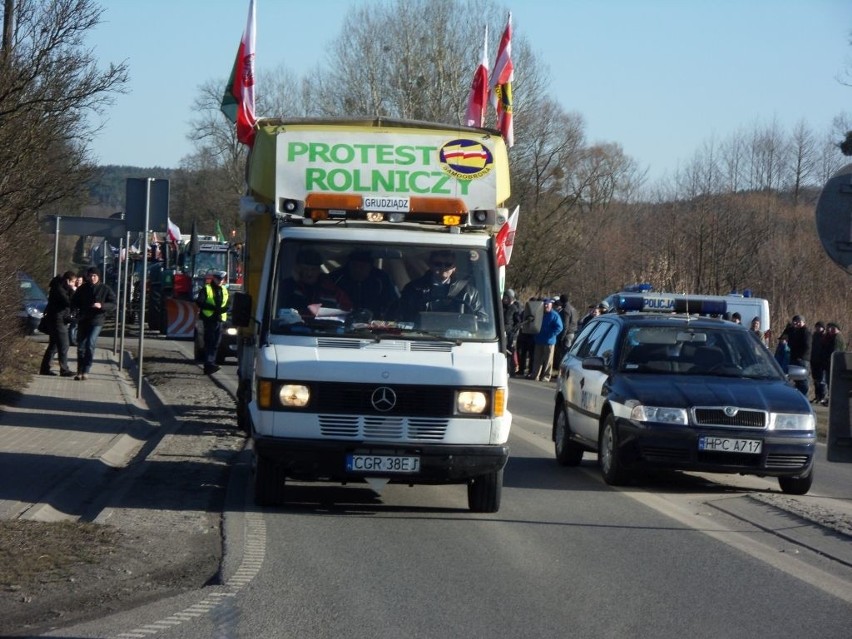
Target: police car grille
<point x="787" y="461"/>
<point x="718" y="417"/>
<point x="411" y="401"/>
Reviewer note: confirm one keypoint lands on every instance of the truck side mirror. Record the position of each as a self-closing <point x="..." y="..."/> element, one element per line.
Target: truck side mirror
<point x="241" y="309"/>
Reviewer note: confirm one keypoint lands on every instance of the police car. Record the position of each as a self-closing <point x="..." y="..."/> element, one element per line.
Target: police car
<point x="681" y="392"/>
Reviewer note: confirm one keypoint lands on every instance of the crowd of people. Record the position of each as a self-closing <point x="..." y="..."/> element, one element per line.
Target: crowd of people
<point x="798" y="345"/>
<point x="76" y="308"/>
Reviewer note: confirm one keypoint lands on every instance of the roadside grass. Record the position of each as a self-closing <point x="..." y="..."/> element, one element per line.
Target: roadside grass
<point x="36" y="554"/>
<point x="21" y="364"/>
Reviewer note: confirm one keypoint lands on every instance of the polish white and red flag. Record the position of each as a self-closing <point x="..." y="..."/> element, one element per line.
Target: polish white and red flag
<point x="501" y="85"/>
<point x="238" y="101"/>
<point x="477" y="101"/>
<point x="173" y="232"/>
<point x="506" y="238"/>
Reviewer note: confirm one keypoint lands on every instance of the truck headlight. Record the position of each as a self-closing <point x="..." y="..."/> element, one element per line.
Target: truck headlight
<point x="471" y="402"/>
<point x="791" y="421"/>
<point x="294" y="395"/>
<point x="659" y="415"/>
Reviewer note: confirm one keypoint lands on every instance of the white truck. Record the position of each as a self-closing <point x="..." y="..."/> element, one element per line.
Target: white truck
<point x="373" y="347"/>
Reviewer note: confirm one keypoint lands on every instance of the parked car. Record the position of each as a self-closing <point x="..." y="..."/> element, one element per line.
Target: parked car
<point x="33" y="303"/>
<point x="674" y="391"/>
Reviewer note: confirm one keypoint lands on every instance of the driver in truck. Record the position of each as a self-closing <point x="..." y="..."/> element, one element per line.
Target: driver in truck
<point x="438" y="290"/>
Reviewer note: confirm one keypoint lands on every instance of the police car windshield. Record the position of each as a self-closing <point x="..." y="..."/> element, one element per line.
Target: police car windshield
<point x="381" y="291"/>
<point x="698" y="351"/>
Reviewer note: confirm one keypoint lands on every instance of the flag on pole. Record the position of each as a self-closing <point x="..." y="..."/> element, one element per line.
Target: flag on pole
<point x="506" y="238"/>
<point x="477" y="101"/>
<point x="238" y="101"/>
<point x="219" y="235"/>
<point x="501" y="85"/>
<point x="173" y="232"/>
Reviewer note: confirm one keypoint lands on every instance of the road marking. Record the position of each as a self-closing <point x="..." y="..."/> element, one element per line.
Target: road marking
<point x="667" y="504"/>
<point x="219" y="596"/>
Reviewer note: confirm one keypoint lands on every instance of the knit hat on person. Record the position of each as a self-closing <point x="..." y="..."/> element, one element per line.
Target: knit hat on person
<point x="93" y="270"/>
<point x="563" y="299"/>
<point x="834" y="325"/>
<point x="819" y="325"/>
<point x="798" y="318"/>
<point x="510" y="293"/>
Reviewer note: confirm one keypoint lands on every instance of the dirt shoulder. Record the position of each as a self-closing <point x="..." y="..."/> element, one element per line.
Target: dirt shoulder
<point x="156" y="534"/>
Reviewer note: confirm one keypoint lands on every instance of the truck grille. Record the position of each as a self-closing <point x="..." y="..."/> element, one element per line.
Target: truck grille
<point x="407" y="401"/>
<point x="730" y="416"/>
<point x="385" y="428"/>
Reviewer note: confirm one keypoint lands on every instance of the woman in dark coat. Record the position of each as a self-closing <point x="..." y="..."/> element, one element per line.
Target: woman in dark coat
<point x="58" y="317"/>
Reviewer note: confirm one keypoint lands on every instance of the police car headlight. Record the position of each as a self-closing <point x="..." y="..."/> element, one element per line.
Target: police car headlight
<point x="792" y="421"/>
<point x="659" y="415"/>
<point x="471" y="402"/>
<point x="294" y="395"/>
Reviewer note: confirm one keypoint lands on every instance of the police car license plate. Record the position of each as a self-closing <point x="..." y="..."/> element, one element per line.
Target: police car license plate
<point x="730" y="445"/>
<point x="382" y="464"/>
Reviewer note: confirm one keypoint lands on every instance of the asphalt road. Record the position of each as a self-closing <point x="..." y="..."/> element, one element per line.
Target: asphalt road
<point x="676" y="555"/>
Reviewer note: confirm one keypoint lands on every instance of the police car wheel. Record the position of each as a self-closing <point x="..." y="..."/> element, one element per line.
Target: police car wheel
<point x="568" y="452"/>
<point x="609" y="455"/>
<point x="797" y="485"/>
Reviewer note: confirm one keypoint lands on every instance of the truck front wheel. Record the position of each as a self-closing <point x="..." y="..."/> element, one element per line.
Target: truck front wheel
<point x="269" y="480"/>
<point x="484" y="492"/>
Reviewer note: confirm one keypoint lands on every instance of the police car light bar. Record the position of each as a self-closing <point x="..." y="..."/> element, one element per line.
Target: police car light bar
<point x="662" y="304"/>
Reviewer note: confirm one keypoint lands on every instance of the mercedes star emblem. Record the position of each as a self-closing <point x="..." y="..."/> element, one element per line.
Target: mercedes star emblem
<point x="383" y="399"/>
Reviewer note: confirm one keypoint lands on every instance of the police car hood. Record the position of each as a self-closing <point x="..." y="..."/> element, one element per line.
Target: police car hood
<point x="684" y="392"/>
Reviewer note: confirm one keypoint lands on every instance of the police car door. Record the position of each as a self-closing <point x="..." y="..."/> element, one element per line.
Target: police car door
<point x="585" y="387"/>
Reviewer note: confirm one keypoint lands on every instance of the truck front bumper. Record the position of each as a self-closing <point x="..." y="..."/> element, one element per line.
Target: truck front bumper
<point x="326" y="460"/>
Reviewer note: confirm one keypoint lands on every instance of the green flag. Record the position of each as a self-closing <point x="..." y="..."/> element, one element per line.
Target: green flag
<point x="219" y="235"/>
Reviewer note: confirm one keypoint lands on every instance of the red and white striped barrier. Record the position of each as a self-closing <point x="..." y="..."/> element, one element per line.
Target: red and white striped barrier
<point x="180" y="318"/>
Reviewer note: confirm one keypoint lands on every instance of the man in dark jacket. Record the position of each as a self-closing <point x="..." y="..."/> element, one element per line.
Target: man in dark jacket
<point x="818" y="371"/>
<point x="92" y="301"/>
<point x="799" y="339"/>
<point x="58" y="316"/>
<point x="438" y="290"/>
<point x="512" y="319"/>
<point x="568" y="315"/>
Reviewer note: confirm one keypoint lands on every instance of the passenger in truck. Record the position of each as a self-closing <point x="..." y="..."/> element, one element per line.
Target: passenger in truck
<point x="369" y="288"/>
<point x="309" y="289"/>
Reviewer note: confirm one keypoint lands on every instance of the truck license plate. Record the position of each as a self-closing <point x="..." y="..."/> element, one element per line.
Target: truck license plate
<point x="382" y="464"/>
<point x="730" y="445"/>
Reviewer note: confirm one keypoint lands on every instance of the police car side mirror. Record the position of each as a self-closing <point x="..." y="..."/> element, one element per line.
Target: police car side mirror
<point x="594" y="364"/>
<point x="240" y="309"/>
<point x="797" y="373"/>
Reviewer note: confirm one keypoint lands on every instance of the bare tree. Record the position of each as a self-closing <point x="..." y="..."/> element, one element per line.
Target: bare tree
<point x="51" y="94"/>
<point x="803" y="151"/>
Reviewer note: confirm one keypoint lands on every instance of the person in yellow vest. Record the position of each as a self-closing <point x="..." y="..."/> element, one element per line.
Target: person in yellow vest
<point x="212" y="302"/>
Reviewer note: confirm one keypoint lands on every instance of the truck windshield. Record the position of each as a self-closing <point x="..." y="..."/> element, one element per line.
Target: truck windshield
<point x="382" y="291"/>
